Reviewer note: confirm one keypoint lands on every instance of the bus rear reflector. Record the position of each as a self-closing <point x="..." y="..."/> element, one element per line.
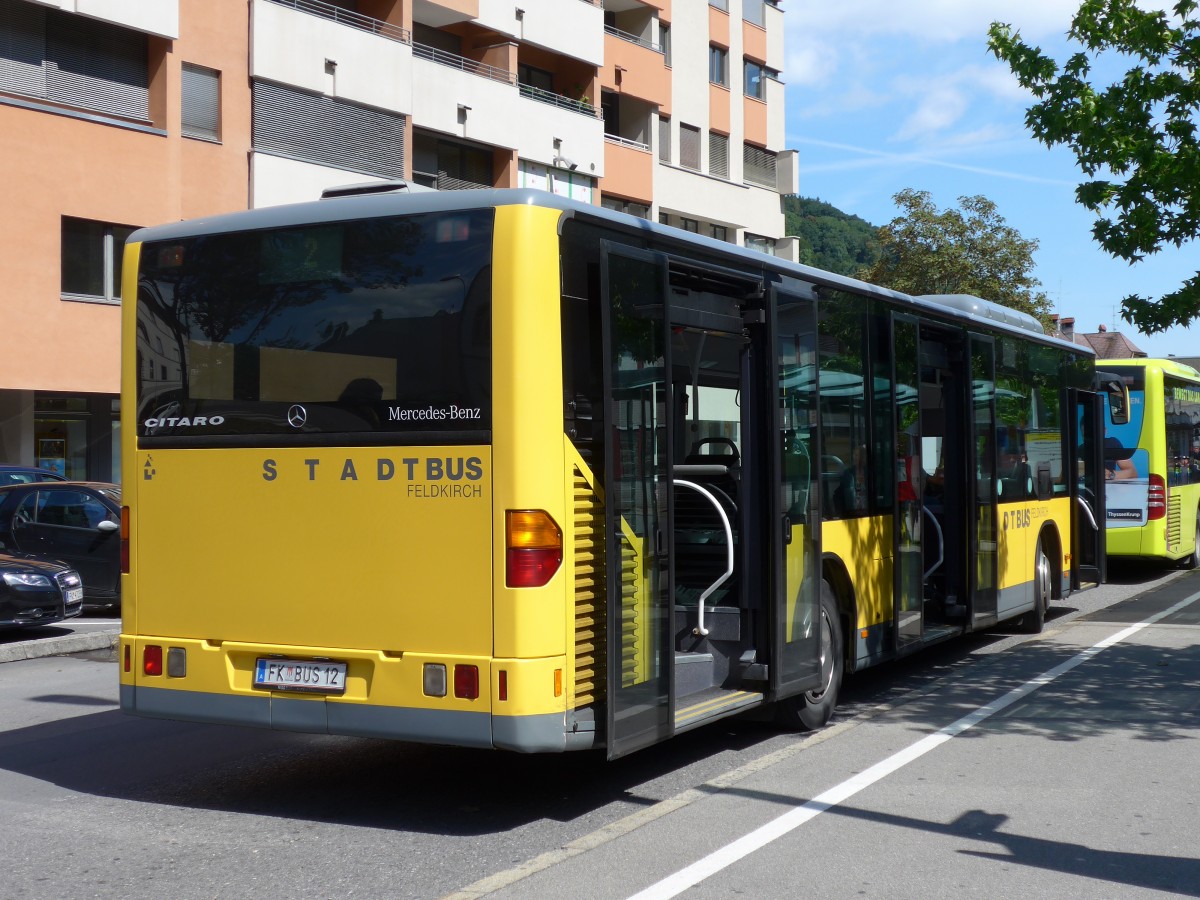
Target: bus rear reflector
<point x="466" y="682"/>
<point x="124" y="540"/>
<point x="1156" y="498"/>
<point x="534" y="547"/>
<point x="152" y="660"/>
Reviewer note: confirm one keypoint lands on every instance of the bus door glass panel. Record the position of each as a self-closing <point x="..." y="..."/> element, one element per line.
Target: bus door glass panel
<point x="984" y="537"/>
<point x="637" y="500"/>
<point x="1088" y="561"/>
<point x="797" y="639"/>
<point x="910" y="483"/>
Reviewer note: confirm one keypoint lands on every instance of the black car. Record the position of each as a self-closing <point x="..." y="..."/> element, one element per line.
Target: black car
<point x="37" y="592"/>
<point x="75" y="522"/>
<point x="26" y="474"/>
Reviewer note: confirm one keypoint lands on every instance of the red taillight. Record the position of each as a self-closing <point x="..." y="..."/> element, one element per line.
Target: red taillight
<point x="502" y="685"/>
<point x="128" y="658"/>
<point x="124" y="540"/>
<point x="466" y="682"/>
<point x="534" y="547"/>
<point x="152" y="658"/>
<point x="1156" y="498"/>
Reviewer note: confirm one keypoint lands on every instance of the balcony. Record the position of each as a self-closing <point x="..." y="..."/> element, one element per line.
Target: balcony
<point x="351" y="19"/>
<point x="320" y="48"/>
<point x="629" y="166"/>
<point x="160" y="18"/>
<point x="635" y="67"/>
<point x="470" y="66"/>
<point x="572" y="29"/>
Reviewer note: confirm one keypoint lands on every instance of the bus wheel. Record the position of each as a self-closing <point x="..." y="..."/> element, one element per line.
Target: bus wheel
<point x="1034" y="620"/>
<point x="1193" y="561"/>
<point x="812" y="709"/>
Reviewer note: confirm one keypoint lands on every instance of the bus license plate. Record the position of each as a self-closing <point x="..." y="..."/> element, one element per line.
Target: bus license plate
<point x="300" y="675"/>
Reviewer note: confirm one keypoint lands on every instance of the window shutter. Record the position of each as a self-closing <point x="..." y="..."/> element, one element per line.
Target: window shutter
<point x="201" y="102"/>
<point x="758" y="166"/>
<point x="74" y="61"/>
<point x="22" y="48"/>
<point x="689" y="146"/>
<point x="324" y="130"/>
<point x="718" y="154"/>
<point x="95" y="65"/>
<point x="664" y="139"/>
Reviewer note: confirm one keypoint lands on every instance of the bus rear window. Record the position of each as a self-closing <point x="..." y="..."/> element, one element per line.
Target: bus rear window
<point x="375" y="325"/>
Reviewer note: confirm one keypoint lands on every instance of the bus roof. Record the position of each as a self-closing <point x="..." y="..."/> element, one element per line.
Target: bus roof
<point x="1168" y="366"/>
<point x="394" y="199"/>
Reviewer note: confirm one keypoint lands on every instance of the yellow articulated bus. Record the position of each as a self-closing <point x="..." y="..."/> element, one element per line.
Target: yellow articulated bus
<point x="1152" y="462"/>
<point x="498" y="469"/>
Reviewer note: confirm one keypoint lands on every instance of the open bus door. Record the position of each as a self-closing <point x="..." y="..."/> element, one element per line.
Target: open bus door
<point x="1088" y="559"/>
<point x="637" y="499"/>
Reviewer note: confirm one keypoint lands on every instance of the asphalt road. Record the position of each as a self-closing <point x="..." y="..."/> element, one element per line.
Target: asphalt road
<point x="1080" y="787"/>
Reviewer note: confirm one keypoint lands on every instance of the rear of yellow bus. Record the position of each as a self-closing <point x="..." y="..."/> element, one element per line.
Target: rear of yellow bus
<point x="335" y="523"/>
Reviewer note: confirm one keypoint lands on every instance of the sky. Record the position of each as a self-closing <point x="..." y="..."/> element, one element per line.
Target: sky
<point x="884" y="95"/>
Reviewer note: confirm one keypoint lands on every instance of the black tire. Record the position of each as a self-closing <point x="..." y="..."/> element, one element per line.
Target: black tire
<point x="1035" y="620"/>
<point x="1193" y="561"/>
<point x="813" y="709"/>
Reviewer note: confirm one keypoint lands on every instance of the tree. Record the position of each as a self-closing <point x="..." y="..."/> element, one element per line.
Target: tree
<point x="829" y="238"/>
<point x="1135" y="139"/>
<point x="957" y="251"/>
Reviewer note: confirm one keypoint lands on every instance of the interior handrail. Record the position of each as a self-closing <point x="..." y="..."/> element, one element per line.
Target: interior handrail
<point x="941" y="542"/>
<point x="700" y="629"/>
<point x="1091" y="517"/>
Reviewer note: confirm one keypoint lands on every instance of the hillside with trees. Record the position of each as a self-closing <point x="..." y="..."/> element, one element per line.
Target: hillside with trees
<point x="829" y="238"/>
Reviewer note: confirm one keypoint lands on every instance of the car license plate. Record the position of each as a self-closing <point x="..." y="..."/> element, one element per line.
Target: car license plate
<point x="74" y="595"/>
<point x="314" y="676"/>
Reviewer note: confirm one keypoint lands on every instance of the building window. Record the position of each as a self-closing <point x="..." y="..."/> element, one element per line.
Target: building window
<point x="754" y="12"/>
<point x="691" y="225"/>
<point x="664" y="219"/>
<point x="664" y="41"/>
<point x="720" y="232"/>
<point x="201" y="103"/>
<point x="664" y="139"/>
<point x="626" y="206"/>
<point x="758" y="166"/>
<point x="91" y="259"/>
<point x="73" y="61"/>
<point x="718" y="154"/>
<point x="718" y="65"/>
<point x="756" y="75"/>
<point x="452" y="165"/>
<point x="689" y="147"/>
<point x="326" y="131"/>
<point x="760" y="243"/>
<point x="719" y="4"/>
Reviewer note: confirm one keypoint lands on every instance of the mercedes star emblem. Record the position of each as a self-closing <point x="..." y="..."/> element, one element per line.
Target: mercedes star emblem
<point x="297" y="416"/>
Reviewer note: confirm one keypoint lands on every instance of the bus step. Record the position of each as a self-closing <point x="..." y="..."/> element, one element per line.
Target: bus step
<point x="693" y="673"/>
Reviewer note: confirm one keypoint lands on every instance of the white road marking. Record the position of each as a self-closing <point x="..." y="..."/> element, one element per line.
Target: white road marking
<point x="676" y="884"/>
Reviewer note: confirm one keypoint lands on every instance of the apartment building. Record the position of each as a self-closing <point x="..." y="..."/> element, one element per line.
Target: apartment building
<point x="116" y="114"/>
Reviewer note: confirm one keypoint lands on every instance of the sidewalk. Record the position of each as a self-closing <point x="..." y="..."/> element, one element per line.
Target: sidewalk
<point x="73" y="636"/>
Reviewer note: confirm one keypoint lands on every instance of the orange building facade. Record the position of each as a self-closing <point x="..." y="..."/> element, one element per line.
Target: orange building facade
<point x="116" y="114"/>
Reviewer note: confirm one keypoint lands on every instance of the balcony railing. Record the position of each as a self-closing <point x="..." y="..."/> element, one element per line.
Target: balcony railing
<point x="544" y="96"/>
<point x="351" y="19"/>
<point x="626" y="142"/>
<point x="470" y="66"/>
<point x="632" y="38"/>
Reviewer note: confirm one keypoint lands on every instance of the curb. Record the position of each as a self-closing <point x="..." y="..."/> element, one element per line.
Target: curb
<point x="59" y="646"/>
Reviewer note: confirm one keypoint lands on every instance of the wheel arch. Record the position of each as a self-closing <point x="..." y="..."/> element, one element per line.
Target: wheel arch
<point x="1051" y="542"/>
<point x="833" y="570"/>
